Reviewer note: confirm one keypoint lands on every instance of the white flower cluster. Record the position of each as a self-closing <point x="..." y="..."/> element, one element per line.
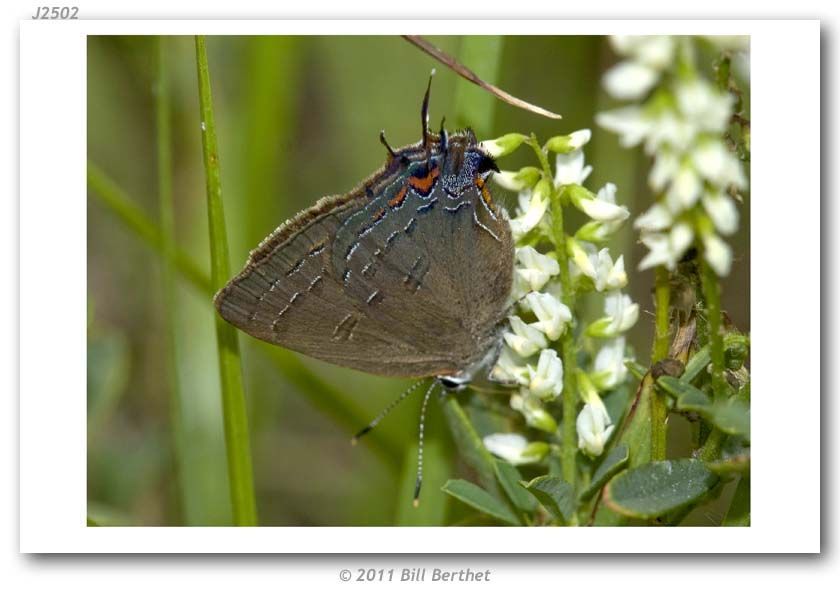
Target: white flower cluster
<point x="527" y="360"/>
<point x="680" y="119"/>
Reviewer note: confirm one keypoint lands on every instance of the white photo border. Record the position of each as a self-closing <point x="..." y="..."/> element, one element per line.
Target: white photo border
<point x="785" y="78"/>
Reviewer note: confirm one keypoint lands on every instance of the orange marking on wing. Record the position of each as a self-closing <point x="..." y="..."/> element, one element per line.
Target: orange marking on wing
<point x="398" y="198"/>
<point x="424" y="184"/>
<point x="379" y="214"/>
<point x="485" y="193"/>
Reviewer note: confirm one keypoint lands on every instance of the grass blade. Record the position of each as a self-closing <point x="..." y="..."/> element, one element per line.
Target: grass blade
<point x="230" y="369"/>
<point x="167" y="239"/>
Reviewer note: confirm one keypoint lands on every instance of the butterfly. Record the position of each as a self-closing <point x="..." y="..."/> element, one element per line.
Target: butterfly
<point x="408" y="275"/>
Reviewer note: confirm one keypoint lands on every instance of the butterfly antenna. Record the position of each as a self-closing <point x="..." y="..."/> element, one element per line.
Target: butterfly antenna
<point x="391" y="153"/>
<point x="419" y="481"/>
<point x="354" y="440"/>
<point x="424" y="118"/>
<point x="444" y="137"/>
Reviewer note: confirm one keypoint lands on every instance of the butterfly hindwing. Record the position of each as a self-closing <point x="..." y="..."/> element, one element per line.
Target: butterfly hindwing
<point x="400" y="278"/>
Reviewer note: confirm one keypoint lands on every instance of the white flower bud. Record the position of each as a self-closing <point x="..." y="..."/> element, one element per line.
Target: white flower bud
<point x="603" y="207"/>
<point x="666" y="165"/>
<point x="666" y="248"/>
<point x="600" y="233"/>
<point x="532" y="206"/>
<point x="510" y="368"/>
<point x="656" y="218"/>
<point x="718" y="254"/>
<point x="584" y="257"/>
<point x="630" y="80"/>
<point x="504" y="145"/>
<point x="570" y="169"/>
<point x="511" y="447"/>
<point x="533" y="270"/>
<point x="547" y="378"/>
<point x="621" y="314"/>
<point x="703" y="105"/>
<point x="656" y="51"/>
<point x="622" y="311"/>
<point x="598" y="265"/>
<point x="516" y="181"/>
<point x="629" y="122"/>
<point x="609" y="369"/>
<point x="718" y="165"/>
<point x="670" y="131"/>
<point x="532" y="409"/>
<point x="685" y="190"/>
<point x="593" y="428"/>
<point x="552" y="314"/>
<point x="568" y="143"/>
<point x="721" y="209"/>
<point x="610" y="276"/>
<point x="525" y="340"/>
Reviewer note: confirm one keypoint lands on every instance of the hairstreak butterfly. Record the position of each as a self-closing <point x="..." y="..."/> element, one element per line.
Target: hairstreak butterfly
<point x="408" y="275"/>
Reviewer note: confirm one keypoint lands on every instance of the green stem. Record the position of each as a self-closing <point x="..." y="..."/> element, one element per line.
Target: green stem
<point x="661" y="343"/>
<point x="711" y="293"/>
<point x="234" y="411"/>
<point x="167" y="239"/>
<point x="332" y="402"/>
<point x="567" y="347"/>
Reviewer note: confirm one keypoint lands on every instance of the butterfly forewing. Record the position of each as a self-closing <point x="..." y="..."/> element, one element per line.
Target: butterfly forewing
<point x="401" y="277"/>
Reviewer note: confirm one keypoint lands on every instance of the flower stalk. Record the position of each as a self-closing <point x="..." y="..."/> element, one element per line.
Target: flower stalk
<point x="547" y="287"/>
<point x="661" y="340"/>
<point x="569" y="447"/>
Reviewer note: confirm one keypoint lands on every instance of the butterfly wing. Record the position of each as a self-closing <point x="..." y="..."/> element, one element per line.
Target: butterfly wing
<point x="399" y="283"/>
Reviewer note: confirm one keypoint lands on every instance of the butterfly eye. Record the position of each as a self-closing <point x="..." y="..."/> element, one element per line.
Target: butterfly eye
<point x="487" y="164"/>
<point x="451" y="384"/>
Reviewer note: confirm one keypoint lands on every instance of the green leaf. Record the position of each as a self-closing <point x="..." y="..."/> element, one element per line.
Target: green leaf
<point x="635" y="432"/>
<point x="509" y="477"/>
<point x="731" y="416"/>
<point x="471" y="447"/>
<point x="479" y="499"/>
<point x="685" y="393"/>
<point x="698" y="361"/>
<point x="658" y="488"/>
<point x="614" y="462"/>
<point x="636" y="370"/>
<point x="738" y="514"/>
<point x="557" y="496"/>
<point x="734" y="457"/>
<point x="733" y="464"/>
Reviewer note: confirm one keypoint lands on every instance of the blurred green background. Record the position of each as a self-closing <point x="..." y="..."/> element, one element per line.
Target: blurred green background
<point x="298" y="118"/>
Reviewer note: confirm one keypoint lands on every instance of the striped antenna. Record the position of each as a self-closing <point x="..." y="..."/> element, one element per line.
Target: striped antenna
<point x="419" y="481"/>
<point x="354" y="440"/>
